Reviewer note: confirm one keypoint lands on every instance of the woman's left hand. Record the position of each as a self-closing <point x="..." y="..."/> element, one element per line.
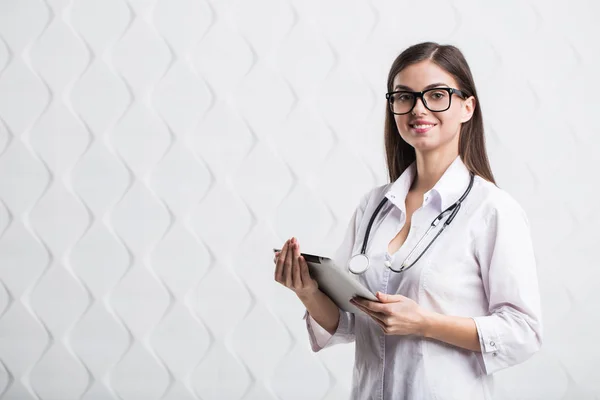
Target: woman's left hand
<point x="396" y="314"/>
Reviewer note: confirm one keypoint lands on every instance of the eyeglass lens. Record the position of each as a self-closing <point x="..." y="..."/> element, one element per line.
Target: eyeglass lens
<point x="435" y="100"/>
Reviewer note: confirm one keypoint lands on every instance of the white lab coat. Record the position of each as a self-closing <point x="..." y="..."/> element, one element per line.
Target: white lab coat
<point x="482" y="266"/>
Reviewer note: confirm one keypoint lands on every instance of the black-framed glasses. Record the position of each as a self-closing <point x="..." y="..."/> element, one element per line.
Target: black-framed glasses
<point x="436" y="99"/>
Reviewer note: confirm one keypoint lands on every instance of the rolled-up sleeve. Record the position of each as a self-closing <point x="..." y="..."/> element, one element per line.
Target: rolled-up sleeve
<point x="512" y="332"/>
<point x="319" y="338"/>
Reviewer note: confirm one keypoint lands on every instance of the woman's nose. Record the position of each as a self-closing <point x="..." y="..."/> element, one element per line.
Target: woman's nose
<point x="419" y="107"/>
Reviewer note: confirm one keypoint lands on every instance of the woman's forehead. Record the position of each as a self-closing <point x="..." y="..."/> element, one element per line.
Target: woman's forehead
<point x="417" y="76"/>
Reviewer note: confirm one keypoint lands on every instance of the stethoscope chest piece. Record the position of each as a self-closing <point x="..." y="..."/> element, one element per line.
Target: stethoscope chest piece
<point x="358" y="264"/>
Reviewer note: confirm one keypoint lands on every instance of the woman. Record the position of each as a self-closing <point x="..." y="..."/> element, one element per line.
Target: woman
<point x="469" y="306"/>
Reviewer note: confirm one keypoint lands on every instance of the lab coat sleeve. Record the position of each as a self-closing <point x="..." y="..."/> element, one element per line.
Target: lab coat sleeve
<point x="512" y="332"/>
<point x="319" y="338"/>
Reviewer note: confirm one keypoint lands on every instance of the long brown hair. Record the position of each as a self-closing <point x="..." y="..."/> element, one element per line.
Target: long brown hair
<point x="471" y="144"/>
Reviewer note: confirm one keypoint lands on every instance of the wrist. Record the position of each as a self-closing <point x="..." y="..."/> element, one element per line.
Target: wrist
<point x="428" y="324"/>
<point x="306" y="296"/>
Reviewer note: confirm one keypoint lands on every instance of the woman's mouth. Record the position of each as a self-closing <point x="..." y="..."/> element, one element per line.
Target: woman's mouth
<point x="421" y="128"/>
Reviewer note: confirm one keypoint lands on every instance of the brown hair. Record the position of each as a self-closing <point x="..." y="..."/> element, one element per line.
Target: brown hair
<point x="471" y="144"/>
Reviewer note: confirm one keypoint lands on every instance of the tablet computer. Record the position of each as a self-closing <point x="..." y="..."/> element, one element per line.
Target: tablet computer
<point x="338" y="283"/>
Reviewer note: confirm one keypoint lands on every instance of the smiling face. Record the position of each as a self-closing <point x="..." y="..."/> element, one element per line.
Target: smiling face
<point x="423" y="129"/>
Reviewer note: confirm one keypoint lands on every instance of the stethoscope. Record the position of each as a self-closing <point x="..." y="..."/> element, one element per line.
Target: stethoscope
<point x="359" y="263"/>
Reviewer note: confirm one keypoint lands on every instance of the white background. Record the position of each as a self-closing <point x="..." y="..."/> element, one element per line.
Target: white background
<point x="153" y="152"/>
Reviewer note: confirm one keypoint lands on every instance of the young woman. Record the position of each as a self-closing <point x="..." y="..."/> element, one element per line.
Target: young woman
<point x="453" y="308"/>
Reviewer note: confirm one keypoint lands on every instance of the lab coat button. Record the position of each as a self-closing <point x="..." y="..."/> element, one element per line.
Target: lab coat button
<point x="387" y="264"/>
<point x="494" y="354"/>
<point x="492" y="343"/>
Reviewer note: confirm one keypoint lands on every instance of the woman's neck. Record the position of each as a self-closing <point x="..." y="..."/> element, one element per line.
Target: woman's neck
<point x="430" y="168"/>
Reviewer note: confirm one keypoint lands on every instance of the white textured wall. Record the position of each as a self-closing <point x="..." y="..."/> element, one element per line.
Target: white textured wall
<point x="153" y="152"/>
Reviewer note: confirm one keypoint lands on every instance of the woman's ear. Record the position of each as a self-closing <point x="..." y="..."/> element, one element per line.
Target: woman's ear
<point x="468" y="109"/>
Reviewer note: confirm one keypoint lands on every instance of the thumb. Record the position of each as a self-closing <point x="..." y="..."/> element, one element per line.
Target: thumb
<point x="305" y="273"/>
<point x="389" y="298"/>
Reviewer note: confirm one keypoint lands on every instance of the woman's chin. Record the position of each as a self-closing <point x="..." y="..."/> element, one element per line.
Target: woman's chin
<point x="423" y="143"/>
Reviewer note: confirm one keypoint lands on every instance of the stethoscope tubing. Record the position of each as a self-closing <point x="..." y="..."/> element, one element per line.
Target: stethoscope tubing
<point x="454" y="208"/>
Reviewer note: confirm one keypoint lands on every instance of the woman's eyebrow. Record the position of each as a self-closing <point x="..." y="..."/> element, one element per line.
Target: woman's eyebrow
<point x="402" y="87"/>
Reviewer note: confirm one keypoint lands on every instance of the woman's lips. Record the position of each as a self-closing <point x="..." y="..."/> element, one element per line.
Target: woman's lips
<point x="421" y="128"/>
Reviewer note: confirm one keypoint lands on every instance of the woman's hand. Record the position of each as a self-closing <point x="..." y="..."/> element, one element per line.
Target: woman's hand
<point x="292" y="271"/>
<point x="396" y="314"/>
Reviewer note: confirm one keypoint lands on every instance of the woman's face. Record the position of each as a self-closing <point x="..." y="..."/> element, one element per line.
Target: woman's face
<point x="423" y="129"/>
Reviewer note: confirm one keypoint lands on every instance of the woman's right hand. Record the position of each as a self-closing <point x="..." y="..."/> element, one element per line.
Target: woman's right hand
<point x="291" y="270"/>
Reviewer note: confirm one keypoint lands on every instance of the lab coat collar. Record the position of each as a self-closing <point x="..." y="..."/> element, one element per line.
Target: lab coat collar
<point x="448" y="188"/>
<point x="396" y="194"/>
<point x="453" y="183"/>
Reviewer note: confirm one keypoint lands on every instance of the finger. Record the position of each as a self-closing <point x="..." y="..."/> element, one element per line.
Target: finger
<point x="280" y="261"/>
<point x="297" y="280"/>
<point x="381" y="324"/>
<point x="279" y="267"/>
<point x="389" y="298"/>
<point x="373" y="306"/>
<point x="275" y="257"/>
<point x="305" y="275"/>
<point x="373" y="314"/>
<point x="287" y="266"/>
